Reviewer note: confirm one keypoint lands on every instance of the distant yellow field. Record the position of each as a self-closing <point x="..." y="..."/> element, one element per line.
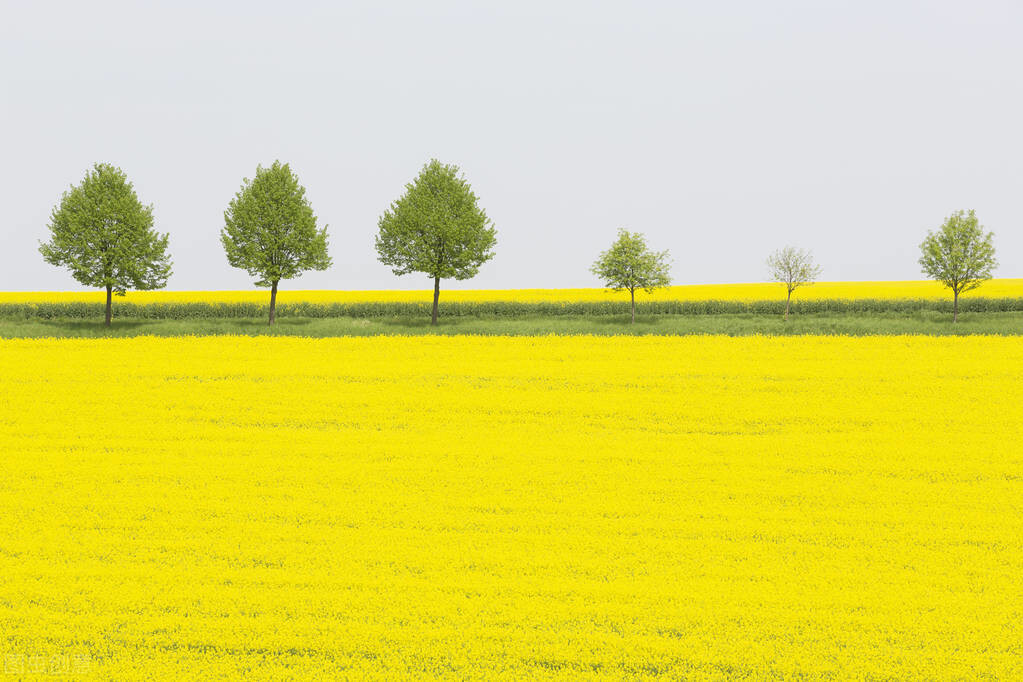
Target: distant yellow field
<point x="520" y="508"/>
<point x="998" y="288"/>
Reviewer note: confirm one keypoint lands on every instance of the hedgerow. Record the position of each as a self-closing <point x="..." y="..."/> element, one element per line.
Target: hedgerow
<point x="198" y="310"/>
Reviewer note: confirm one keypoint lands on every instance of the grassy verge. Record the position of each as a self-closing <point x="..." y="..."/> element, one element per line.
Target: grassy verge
<point x="856" y="324"/>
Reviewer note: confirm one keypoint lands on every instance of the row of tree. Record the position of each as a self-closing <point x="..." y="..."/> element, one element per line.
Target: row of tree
<point x="104" y="235"/>
<point x="960" y="255"/>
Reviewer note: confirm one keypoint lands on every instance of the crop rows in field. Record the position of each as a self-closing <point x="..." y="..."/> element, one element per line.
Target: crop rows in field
<point x="189" y="310"/>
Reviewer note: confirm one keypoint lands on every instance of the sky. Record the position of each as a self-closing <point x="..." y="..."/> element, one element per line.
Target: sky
<point x="720" y="130"/>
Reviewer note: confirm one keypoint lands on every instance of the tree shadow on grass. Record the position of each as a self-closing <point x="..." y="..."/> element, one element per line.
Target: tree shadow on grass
<point x="626" y="320"/>
<point x="94" y="326"/>
<point x="279" y="323"/>
<point x="419" y="322"/>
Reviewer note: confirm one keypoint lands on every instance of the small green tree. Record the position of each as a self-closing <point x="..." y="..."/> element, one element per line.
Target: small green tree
<point x="630" y="265"/>
<point x="270" y="230"/>
<point x="104" y="235"/>
<point x="436" y="228"/>
<point x="960" y="255"/>
<point x="792" y="267"/>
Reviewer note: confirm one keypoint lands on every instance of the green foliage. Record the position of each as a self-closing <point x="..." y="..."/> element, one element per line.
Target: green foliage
<point x="436" y="228"/>
<point x="959" y="255"/>
<point x="630" y="265"/>
<point x="104" y="235"/>
<point x="270" y="230"/>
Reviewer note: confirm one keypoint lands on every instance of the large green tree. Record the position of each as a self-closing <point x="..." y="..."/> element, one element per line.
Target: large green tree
<point x="104" y="235"/>
<point x="960" y="255"/>
<point x="436" y="228"/>
<point x="270" y="230"/>
<point x="630" y="265"/>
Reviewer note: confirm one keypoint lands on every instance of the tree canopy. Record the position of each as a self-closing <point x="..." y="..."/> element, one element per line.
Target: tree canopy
<point x="959" y="254"/>
<point x="436" y="228"/>
<point x="792" y="267"/>
<point x="630" y="265"/>
<point x="104" y="235"/>
<point x="270" y="230"/>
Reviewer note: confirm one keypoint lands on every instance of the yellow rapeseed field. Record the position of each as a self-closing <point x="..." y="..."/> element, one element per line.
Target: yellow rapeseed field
<point x="999" y="288"/>
<point x="556" y="507"/>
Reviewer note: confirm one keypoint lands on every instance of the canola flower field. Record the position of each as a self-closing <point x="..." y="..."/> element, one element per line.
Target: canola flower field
<point x="762" y="291"/>
<point x="556" y="507"/>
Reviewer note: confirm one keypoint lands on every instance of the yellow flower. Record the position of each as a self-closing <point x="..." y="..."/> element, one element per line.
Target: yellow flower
<point x="479" y="507"/>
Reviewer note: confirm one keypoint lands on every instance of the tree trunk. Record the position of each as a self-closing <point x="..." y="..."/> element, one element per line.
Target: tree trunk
<point x="273" y="302"/>
<point x="788" y="300"/>
<point x="633" y="292"/>
<point x="955" y="307"/>
<point x="436" y="298"/>
<point x="109" y="299"/>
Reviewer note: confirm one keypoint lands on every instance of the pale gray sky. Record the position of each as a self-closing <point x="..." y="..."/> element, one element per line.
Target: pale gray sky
<point x="721" y="130"/>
